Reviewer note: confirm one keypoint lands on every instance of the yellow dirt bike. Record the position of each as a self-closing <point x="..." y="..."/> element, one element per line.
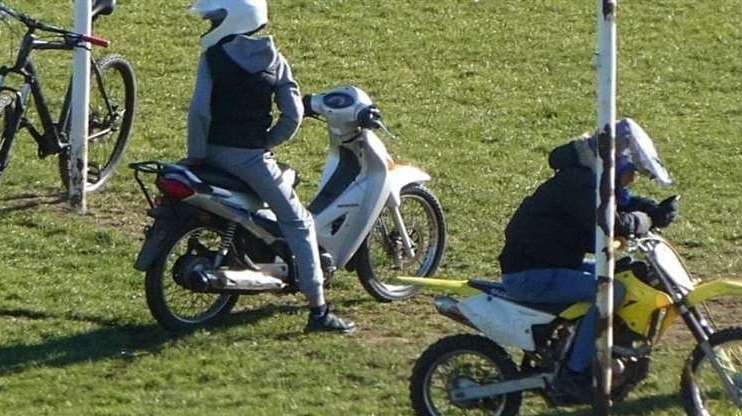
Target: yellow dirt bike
<point x="475" y="374"/>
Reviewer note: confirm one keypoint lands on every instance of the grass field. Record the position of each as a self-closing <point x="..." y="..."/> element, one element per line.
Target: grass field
<point x="479" y="91"/>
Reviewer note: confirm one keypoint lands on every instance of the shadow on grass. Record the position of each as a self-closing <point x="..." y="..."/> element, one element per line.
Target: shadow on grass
<point x="114" y="340"/>
<point x="22" y="202"/>
<point x="640" y="406"/>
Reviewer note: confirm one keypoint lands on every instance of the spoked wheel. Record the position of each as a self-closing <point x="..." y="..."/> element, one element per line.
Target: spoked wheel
<point x="112" y="107"/>
<point x="9" y="127"/>
<point x="172" y="304"/>
<point x="382" y="256"/>
<point x="457" y="362"/>
<point x="703" y="389"/>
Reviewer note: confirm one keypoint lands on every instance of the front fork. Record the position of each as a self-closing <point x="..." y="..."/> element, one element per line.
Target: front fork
<point x="394" y="206"/>
<point x="701" y="330"/>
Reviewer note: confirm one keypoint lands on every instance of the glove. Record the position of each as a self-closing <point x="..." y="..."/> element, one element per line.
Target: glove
<point x="642" y="223"/>
<point x="370" y="117"/>
<point x="666" y="212"/>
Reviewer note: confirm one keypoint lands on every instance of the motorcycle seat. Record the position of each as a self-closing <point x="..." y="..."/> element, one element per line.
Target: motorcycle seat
<point x="103" y="7"/>
<point x="221" y="179"/>
<point x="498" y="290"/>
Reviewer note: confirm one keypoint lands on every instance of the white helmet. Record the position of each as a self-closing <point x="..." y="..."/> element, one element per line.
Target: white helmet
<point x="230" y="17"/>
<point x="634" y="142"/>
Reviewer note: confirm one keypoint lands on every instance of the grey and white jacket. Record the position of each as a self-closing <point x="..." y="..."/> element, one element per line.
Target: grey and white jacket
<point x="216" y="99"/>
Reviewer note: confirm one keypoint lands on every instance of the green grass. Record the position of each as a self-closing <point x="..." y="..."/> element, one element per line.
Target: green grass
<point x="478" y="91"/>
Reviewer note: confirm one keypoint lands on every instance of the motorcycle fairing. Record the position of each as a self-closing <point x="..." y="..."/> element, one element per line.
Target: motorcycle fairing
<point x="503" y="321"/>
<point x="360" y="203"/>
<point x="671" y="264"/>
<point x="639" y="305"/>
<point x="341" y="171"/>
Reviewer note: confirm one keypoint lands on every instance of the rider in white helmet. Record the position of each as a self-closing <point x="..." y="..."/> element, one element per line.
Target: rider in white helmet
<point x="230" y="126"/>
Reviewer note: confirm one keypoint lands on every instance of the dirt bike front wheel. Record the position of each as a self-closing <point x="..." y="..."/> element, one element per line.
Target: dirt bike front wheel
<point x="382" y="256"/>
<point x="458" y="361"/>
<point x="113" y="91"/>
<point x="174" y="306"/>
<point x="703" y="391"/>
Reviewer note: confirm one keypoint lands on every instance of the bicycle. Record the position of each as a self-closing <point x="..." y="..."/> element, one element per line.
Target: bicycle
<point x="113" y="83"/>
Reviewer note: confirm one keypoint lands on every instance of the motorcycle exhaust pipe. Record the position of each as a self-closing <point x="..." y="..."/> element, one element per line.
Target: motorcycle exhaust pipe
<point x="229" y="281"/>
<point x="448" y="307"/>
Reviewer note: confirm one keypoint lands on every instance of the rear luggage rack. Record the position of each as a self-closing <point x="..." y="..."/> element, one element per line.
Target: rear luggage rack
<point x="148" y="167"/>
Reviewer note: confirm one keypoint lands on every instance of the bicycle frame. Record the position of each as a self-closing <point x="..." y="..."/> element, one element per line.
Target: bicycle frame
<point x="52" y="139"/>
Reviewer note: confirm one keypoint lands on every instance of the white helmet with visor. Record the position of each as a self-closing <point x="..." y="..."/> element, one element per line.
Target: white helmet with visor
<point x="633" y="142"/>
<point x="230" y="17"/>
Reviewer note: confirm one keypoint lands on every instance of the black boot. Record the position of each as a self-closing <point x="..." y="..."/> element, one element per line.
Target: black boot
<point x="578" y="386"/>
<point x="323" y="320"/>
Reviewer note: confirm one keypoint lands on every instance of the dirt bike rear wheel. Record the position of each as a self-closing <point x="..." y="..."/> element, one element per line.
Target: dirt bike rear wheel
<point x="701" y="388"/>
<point x="460" y="359"/>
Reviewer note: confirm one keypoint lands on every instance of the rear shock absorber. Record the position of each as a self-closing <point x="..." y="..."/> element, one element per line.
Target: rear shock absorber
<point x="226" y="243"/>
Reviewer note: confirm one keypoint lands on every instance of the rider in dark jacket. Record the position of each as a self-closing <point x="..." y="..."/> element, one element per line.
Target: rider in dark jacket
<point x="546" y="241"/>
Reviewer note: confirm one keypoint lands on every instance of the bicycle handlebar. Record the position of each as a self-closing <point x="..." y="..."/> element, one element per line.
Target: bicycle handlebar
<point x="34" y="24"/>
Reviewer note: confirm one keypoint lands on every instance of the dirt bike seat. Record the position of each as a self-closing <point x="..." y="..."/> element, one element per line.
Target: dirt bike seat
<point x="498" y="290"/>
<point x="103" y="7"/>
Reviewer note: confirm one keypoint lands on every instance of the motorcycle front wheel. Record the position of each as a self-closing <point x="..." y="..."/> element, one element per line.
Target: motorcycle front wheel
<point x="382" y="257"/>
<point x="702" y="389"/>
<point x="461" y="361"/>
<point x="174" y="306"/>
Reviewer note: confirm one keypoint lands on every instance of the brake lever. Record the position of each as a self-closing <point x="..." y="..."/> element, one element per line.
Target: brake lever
<point x="386" y="130"/>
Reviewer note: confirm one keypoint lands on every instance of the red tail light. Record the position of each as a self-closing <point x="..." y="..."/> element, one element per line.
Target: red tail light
<point x="174" y="188"/>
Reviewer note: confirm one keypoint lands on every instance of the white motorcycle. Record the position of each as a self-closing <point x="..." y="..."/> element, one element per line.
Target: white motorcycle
<point x="214" y="239"/>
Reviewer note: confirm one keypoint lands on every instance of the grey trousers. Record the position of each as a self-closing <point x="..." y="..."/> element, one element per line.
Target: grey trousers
<point x="259" y="169"/>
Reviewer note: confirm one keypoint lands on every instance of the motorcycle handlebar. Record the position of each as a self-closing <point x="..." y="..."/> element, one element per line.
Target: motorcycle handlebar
<point x="370" y="117"/>
<point x="307" y="102"/>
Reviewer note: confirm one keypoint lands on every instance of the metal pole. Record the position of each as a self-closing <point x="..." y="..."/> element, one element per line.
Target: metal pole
<point x="80" y="100"/>
<point x="605" y="203"/>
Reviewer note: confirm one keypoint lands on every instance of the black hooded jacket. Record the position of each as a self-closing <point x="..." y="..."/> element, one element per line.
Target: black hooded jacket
<point x="555" y="226"/>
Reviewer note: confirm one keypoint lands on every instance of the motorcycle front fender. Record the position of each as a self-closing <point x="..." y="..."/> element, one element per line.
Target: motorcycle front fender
<point x="402" y="175"/>
<point x="715" y="289"/>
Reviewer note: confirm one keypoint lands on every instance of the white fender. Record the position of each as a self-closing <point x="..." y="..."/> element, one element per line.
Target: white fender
<point x="402" y="175"/>
<point x="504" y="322"/>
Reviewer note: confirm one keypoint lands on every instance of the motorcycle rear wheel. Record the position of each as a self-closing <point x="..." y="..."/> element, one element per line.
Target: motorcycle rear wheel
<point x="175" y="307"/>
<point x="381" y="257"/>
<point x="458" y="359"/>
<point x="702" y="390"/>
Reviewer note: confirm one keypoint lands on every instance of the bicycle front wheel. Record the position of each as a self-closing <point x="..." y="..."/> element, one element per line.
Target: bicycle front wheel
<point x="113" y="90"/>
